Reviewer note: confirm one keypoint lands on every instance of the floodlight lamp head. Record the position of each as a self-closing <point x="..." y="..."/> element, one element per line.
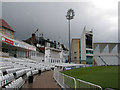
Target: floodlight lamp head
<point x="70" y="14"/>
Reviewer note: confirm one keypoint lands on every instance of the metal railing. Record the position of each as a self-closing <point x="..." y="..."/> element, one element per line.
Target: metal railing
<point x="66" y="81"/>
<point x="84" y="84"/>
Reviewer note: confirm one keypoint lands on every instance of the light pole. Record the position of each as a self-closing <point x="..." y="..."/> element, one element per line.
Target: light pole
<point x="69" y="16"/>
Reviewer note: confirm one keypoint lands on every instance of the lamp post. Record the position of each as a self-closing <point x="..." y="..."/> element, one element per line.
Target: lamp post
<point x="69" y="16"/>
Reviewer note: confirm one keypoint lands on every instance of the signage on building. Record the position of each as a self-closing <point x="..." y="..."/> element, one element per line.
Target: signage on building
<point x="16" y="44"/>
<point x="6" y="40"/>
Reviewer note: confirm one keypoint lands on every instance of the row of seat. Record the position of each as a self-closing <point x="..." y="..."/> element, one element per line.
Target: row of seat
<point x="109" y="60"/>
<point x="34" y="72"/>
<point x="19" y="67"/>
<point x="20" y="73"/>
<point x="28" y="74"/>
<point x="3" y="68"/>
<point x="12" y="70"/>
<point x="17" y="84"/>
<point x="6" y="79"/>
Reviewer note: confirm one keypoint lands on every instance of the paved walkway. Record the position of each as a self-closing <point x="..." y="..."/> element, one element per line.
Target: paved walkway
<point x="45" y="80"/>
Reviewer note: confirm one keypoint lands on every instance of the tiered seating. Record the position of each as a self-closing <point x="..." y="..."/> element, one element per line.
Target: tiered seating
<point x="27" y="70"/>
<point x="98" y="60"/>
<point x="42" y="69"/>
<point x="110" y="60"/>
<point x="47" y="68"/>
<point x="17" y="84"/>
<point x="28" y="74"/>
<point x="14" y="68"/>
<point x="6" y="79"/>
<point x="20" y="73"/>
<point x="3" y="68"/>
<point x="34" y="72"/>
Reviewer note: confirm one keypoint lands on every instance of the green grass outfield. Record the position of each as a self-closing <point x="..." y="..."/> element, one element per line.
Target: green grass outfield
<point x="105" y="76"/>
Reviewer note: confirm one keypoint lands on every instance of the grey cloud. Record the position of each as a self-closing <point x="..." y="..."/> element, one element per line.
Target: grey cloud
<point x="50" y="18"/>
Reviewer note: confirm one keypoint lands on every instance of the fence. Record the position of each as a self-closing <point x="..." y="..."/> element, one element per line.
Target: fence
<point x="66" y="81"/>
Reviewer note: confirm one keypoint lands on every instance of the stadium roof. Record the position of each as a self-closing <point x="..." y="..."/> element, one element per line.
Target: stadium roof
<point x="3" y="23"/>
<point x="105" y="42"/>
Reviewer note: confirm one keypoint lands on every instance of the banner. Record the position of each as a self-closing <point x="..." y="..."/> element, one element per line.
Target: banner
<point x="6" y="40"/>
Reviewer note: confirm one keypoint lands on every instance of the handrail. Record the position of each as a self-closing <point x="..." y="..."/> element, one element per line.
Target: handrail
<point x="62" y="84"/>
<point x="90" y="83"/>
<point x="71" y="78"/>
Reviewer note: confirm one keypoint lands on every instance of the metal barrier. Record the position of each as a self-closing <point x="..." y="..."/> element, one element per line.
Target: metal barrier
<point x="66" y="81"/>
<point x="84" y="84"/>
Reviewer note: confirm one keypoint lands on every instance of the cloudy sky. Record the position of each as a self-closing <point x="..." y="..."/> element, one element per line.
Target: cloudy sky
<point x="49" y="17"/>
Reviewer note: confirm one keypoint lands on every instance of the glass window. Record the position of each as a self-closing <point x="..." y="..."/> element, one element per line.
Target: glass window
<point x="89" y="60"/>
<point x="89" y="52"/>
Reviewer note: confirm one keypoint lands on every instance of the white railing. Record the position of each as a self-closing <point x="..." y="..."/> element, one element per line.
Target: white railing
<point x="84" y="84"/>
<point x="66" y="81"/>
<point x="63" y="80"/>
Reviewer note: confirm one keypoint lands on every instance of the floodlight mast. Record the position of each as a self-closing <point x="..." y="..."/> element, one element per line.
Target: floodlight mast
<point x="69" y="16"/>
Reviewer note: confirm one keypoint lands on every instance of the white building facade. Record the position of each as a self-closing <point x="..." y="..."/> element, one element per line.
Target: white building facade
<point x="54" y="56"/>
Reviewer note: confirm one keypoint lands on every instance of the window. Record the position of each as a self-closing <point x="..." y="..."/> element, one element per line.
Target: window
<point x="89" y="52"/>
<point x="75" y="58"/>
<point x="75" y="52"/>
<point x="89" y="40"/>
<point x="89" y="60"/>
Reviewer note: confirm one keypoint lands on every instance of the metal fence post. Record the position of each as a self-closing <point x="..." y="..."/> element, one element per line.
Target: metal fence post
<point x="63" y="79"/>
<point x="75" y="83"/>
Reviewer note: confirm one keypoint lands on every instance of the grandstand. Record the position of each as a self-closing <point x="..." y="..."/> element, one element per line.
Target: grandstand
<point x="106" y="53"/>
<point x="15" y="71"/>
<point x="109" y="60"/>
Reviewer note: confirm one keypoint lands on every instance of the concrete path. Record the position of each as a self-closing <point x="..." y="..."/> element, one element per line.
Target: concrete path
<point x="45" y="80"/>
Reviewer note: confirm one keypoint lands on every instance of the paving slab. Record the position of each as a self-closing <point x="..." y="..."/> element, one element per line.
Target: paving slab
<point x="45" y="80"/>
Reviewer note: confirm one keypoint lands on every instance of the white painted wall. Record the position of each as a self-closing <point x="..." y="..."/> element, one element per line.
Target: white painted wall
<point x="53" y="55"/>
<point x="83" y="45"/>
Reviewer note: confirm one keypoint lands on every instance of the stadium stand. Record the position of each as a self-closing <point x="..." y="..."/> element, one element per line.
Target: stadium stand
<point x="15" y="71"/>
<point x="109" y="60"/>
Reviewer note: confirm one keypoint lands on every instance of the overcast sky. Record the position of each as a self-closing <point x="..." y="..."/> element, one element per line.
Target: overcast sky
<point x="49" y="17"/>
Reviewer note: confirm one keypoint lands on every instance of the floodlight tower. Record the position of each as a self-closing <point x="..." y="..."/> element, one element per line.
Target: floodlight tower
<point x="69" y="16"/>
